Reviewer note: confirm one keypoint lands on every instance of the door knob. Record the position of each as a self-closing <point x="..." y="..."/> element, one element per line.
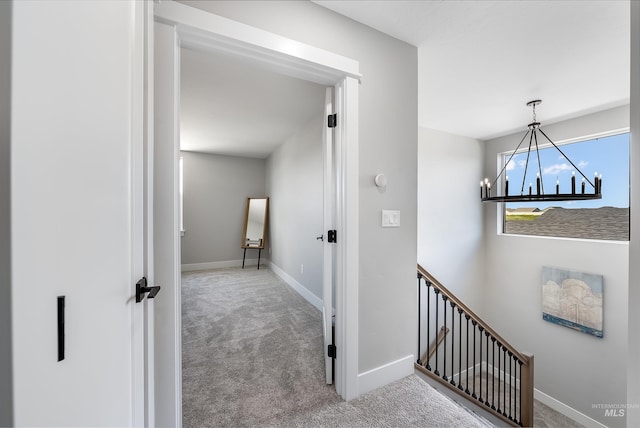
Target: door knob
<point x="142" y="289"/>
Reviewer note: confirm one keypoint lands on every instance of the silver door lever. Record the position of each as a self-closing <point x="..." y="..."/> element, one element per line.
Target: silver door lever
<point x="320" y="238"/>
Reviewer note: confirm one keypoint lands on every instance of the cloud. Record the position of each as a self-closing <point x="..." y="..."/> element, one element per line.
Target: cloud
<point x="513" y="164"/>
<point x="561" y="167"/>
<point x="557" y="168"/>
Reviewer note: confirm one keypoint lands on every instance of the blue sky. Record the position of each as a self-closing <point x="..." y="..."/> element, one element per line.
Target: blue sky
<point x="608" y="156"/>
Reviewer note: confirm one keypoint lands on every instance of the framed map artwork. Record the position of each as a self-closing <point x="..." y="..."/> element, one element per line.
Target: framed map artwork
<point x="573" y="299"/>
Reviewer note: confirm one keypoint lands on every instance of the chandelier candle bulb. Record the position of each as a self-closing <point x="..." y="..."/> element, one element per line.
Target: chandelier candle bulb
<point x="573" y="183"/>
<point x="530" y="187"/>
<point x="583" y="186"/>
<point x="538" y="183"/>
<point x="506" y="186"/>
<point x="600" y="184"/>
<point x="557" y="187"/>
<point x="481" y="189"/>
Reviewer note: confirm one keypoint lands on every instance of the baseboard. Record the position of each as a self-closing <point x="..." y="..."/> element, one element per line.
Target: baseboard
<point x="384" y="375"/>
<point x="569" y="412"/>
<point x="301" y="289"/>
<point x="189" y="267"/>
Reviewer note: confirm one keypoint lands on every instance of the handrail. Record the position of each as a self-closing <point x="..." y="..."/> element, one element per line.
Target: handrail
<point x="521" y="404"/>
<point x="479" y="320"/>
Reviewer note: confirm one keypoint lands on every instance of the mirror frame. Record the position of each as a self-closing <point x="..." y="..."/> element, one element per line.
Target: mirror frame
<point x="264" y="225"/>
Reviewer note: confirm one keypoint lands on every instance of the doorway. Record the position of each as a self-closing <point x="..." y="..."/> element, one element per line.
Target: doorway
<point x="246" y="131"/>
<point x="205" y="31"/>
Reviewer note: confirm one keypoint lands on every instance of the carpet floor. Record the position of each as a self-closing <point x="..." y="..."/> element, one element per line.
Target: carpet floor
<point x="252" y="356"/>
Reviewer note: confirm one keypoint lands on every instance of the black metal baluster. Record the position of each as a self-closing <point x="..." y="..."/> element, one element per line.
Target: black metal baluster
<point x="519" y="421"/>
<point x="420" y="320"/>
<point x="511" y="383"/>
<point x="486" y="335"/>
<point x="453" y="342"/>
<point x="467" y="356"/>
<point x="436" y="291"/>
<point x="428" y="324"/>
<point x="499" y="372"/>
<point x="493" y="372"/>
<point x="444" y="347"/>
<point x="473" y="323"/>
<point x="481" y="330"/>
<point x="460" y="349"/>
<point x="504" y="383"/>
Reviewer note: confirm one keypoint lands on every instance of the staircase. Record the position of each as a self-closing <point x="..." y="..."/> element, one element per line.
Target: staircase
<point x="462" y="352"/>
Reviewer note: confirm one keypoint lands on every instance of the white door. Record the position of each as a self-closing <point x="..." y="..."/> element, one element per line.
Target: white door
<point x="77" y="94"/>
<point x="328" y="224"/>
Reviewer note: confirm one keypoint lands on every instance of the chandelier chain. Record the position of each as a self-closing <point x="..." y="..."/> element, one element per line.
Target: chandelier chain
<point x="534" y="112"/>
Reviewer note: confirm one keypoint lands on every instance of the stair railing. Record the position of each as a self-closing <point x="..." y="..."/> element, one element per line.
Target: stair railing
<point x="475" y="361"/>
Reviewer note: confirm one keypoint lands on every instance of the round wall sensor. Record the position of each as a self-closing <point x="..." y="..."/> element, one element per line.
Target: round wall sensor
<point x="380" y="180"/>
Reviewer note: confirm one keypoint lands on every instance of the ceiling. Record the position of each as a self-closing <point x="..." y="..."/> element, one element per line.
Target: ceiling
<point x="230" y="107"/>
<point x="479" y="63"/>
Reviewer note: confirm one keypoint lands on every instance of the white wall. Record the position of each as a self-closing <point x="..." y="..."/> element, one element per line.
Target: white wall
<point x="294" y="183"/>
<point x="216" y="189"/>
<point x="633" y="361"/>
<point x="388" y="143"/>
<point x="6" y="401"/>
<point x="450" y="241"/>
<point x="577" y="369"/>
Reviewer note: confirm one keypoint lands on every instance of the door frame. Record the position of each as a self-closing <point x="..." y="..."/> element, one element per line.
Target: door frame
<point x="203" y="31"/>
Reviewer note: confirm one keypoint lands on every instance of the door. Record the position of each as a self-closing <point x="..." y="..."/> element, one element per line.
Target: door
<point x="328" y="223"/>
<point x="76" y="213"/>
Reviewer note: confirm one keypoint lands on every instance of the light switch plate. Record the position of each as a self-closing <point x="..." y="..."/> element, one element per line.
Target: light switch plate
<point x="390" y="218"/>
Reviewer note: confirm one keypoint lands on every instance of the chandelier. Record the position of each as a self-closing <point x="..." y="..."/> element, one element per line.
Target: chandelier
<point x="538" y="193"/>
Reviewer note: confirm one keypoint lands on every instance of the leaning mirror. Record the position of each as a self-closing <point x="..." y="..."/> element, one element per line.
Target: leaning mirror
<point x="255" y="226"/>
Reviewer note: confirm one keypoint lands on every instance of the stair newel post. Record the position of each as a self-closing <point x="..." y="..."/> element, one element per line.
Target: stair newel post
<point x="467" y="356"/>
<point x="436" y="291"/>
<point x="526" y="391"/>
<point x="453" y="343"/>
<point x="420" y="320"/>
<point x="444" y="347"/>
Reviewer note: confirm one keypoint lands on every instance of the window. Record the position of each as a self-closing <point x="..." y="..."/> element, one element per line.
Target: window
<point x="606" y="218"/>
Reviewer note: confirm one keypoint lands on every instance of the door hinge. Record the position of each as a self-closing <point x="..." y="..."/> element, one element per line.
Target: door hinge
<point x="331" y="351"/>
<point x="331" y="236"/>
<point x="332" y="120"/>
